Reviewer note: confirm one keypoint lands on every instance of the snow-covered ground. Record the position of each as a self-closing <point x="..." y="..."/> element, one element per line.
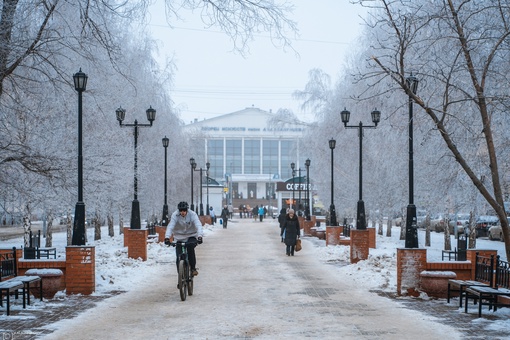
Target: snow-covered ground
<point x="116" y="272"/>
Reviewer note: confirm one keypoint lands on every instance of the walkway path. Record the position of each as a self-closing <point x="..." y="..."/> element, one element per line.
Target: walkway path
<point x="249" y="288"/>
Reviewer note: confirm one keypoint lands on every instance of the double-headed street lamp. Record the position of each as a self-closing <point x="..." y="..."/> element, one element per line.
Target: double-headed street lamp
<point x="151" y="116"/>
<point x="411" y="227"/>
<point x="308" y="212"/>
<point x="80" y="85"/>
<point x="164" y="220"/>
<point x="332" y="212"/>
<point x="361" y="221"/>
<point x="207" y="165"/>
<point x="193" y="165"/>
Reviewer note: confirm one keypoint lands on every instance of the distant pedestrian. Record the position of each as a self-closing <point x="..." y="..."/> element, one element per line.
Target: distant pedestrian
<point x="212" y="214"/>
<point x="291" y="231"/>
<point x="224" y="216"/>
<point x="261" y="213"/>
<point x="241" y="210"/>
<point x="231" y="211"/>
<point x="281" y="220"/>
<point x="255" y="212"/>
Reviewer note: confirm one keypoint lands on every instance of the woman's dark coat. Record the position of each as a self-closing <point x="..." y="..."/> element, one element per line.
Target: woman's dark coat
<point x="291" y="228"/>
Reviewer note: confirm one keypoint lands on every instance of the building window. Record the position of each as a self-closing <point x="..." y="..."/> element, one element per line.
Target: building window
<point x="252" y="156"/>
<point x="288" y="156"/>
<point x="269" y="157"/>
<point x="234" y="152"/>
<point x="215" y="157"/>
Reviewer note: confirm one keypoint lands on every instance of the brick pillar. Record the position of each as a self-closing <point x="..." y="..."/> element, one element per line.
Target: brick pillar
<point x="126" y="236"/>
<point x="333" y="235"/>
<point x="80" y="270"/>
<point x="410" y="263"/>
<point x="206" y="219"/>
<point x="371" y="238"/>
<point x="359" y="245"/>
<point x="307" y="227"/>
<point x="161" y="233"/>
<point x="137" y="246"/>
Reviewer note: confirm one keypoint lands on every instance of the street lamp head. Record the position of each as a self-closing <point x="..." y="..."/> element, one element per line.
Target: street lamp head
<point x="345" y="115"/>
<point x="376" y="116"/>
<point x="292" y="165"/>
<point x="80" y="81"/>
<point x="191" y="161"/>
<point x="207" y="165"/>
<point x="121" y="114"/>
<point x="412" y="83"/>
<point x="307" y="162"/>
<point x="332" y="143"/>
<point x="165" y="142"/>
<point x="151" y="114"/>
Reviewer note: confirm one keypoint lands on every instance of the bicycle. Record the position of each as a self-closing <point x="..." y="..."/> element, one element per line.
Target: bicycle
<point x="185" y="276"/>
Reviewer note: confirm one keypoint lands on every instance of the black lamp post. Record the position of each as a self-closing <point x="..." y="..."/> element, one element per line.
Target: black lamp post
<point x="361" y="221"/>
<point x="332" y="211"/>
<point x="164" y="220"/>
<point x="193" y="165"/>
<point x="80" y="85"/>
<point x="411" y="227"/>
<point x="207" y="165"/>
<point x="308" y="213"/>
<point x="292" y="166"/>
<point x="151" y="116"/>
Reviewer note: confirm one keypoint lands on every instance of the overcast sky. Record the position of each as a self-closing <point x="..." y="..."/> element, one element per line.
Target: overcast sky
<point x="211" y="80"/>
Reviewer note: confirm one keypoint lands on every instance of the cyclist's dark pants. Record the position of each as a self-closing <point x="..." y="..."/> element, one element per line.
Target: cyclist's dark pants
<point x="191" y="253"/>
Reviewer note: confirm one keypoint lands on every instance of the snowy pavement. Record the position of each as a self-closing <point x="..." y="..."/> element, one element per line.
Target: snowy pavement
<point x="249" y="288"/>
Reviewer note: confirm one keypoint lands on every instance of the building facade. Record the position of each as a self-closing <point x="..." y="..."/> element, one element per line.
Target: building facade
<point x="250" y="157"/>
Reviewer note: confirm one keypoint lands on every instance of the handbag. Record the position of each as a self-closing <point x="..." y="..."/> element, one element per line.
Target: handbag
<point x="298" y="244"/>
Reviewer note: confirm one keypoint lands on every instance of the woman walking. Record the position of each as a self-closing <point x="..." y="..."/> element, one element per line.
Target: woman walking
<point x="291" y="232"/>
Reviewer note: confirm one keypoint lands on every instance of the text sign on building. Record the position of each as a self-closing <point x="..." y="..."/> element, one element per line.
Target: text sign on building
<point x="282" y="186"/>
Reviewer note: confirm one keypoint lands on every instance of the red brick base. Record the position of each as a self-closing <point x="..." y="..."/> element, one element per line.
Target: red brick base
<point x="137" y="243"/>
<point x="333" y="235"/>
<point x="80" y="270"/>
<point x="359" y="245"/>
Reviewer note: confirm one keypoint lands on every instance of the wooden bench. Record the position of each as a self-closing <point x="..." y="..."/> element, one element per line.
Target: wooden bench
<point x="491" y="295"/>
<point x="14" y="286"/>
<point x="484" y="267"/>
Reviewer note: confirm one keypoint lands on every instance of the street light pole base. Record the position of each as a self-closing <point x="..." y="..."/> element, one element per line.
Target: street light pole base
<point x="135" y="215"/>
<point x="164" y="220"/>
<point x="79" y="225"/>
<point x="332" y="215"/>
<point x="361" y="221"/>
<point x="411" y="227"/>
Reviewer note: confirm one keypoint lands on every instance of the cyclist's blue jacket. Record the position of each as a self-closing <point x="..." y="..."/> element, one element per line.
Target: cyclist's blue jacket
<point x="184" y="227"/>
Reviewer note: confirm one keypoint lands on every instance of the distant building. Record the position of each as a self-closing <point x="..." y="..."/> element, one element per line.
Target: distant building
<point x="249" y="157"/>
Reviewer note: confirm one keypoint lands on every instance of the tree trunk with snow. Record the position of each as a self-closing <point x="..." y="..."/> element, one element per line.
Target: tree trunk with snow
<point x="403" y="227"/>
<point x="111" y="232"/>
<point x="49" y="230"/>
<point x="471" y="232"/>
<point x="380" y="229"/>
<point x="388" y="227"/>
<point x="26" y="229"/>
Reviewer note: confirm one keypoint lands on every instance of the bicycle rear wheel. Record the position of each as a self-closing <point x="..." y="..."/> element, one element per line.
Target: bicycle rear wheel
<point x="183" y="269"/>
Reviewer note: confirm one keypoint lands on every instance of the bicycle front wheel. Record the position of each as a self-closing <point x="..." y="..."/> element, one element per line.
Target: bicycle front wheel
<point x="183" y="269"/>
<point x="190" y="282"/>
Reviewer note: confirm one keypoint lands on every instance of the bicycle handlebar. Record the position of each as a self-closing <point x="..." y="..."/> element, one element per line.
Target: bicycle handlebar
<point x="175" y="244"/>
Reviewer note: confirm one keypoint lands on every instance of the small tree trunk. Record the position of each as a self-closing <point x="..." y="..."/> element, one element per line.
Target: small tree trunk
<point x="471" y="231"/>
<point x="121" y="223"/>
<point x="97" y="226"/>
<point x="427" y="230"/>
<point x="26" y="229"/>
<point x="388" y="227"/>
<point x="49" y="230"/>
<point x="447" y="239"/>
<point x="69" y="228"/>
<point x="380" y="229"/>
<point x="403" y="227"/>
<point x="111" y="233"/>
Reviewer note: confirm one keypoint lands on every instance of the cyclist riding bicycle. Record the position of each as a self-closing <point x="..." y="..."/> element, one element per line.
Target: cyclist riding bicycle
<point x="185" y="226"/>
